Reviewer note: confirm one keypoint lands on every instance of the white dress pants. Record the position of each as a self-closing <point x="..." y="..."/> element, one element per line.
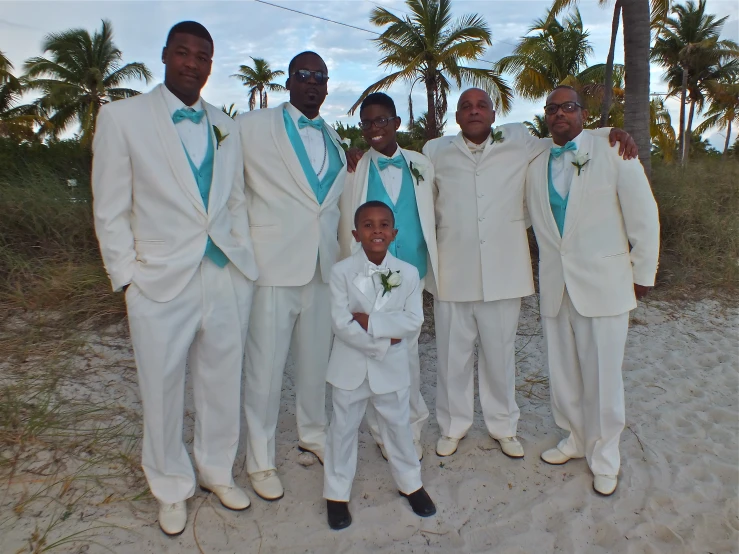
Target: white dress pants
<point x="278" y="315"/>
<point x="585" y="356"/>
<point x="458" y="326"/>
<point x="343" y="439"/>
<point x="204" y="327"/>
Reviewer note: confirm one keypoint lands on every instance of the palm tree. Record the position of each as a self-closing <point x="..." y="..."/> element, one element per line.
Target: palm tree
<point x="82" y="72"/>
<point x="427" y="46"/>
<point x="230" y="111"/>
<point x="538" y="127"/>
<point x="15" y="121"/>
<point x="259" y="78"/>
<point x="661" y="130"/>
<point x="723" y="111"/>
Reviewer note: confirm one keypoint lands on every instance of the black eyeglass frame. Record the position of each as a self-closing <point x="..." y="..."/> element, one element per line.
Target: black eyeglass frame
<point x="303" y="75"/>
<point x="548" y="108"/>
<point x="380" y="123"/>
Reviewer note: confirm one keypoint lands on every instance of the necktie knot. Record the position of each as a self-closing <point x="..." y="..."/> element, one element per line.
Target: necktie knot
<point x="397" y="161"/>
<point x="188" y="113"/>
<point x="557" y="151"/>
<point x="316" y="123"/>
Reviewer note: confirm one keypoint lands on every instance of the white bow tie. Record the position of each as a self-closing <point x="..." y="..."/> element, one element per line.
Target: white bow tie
<point x="370" y="269"/>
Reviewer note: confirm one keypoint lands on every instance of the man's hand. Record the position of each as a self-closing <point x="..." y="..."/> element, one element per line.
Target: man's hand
<point x="626" y="145"/>
<point x="641" y="291"/>
<point x="362" y="319"/>
<point x="353" y="155"/>
<point x="393" y="342"/>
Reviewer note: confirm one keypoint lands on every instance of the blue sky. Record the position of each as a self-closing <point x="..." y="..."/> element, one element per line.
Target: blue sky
<point x="246" y="28"/>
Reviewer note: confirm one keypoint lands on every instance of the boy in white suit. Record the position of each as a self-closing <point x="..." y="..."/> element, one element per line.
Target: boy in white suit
<point x="597" y="227"/>
<point x="171" y="218"/>
<point x="376" y="306"/>
<point x="403" y="180"/>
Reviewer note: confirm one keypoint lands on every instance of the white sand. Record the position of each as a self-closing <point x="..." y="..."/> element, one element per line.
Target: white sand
<point x="678" y="490"/>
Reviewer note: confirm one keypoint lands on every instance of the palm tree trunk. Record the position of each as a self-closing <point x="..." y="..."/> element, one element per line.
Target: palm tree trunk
<point x="726" y="143"/>
<point x="431" y="126"/>
<point x="636" y="59"/>
<point x="688" y="132"/>
<point x="608" y="81"/>
<point x="683" y="99"/>
<point x="261" y="97"/>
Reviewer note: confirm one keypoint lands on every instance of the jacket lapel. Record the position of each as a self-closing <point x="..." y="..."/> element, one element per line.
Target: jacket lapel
<point x="362" y="283"/>
<point x="459" y="142"/>
<point x="337" y="187"/>
<point x="578" y="186"/>
<point x="216" y="188"/>
<point x="542" y="169"/>
<point x="424" y="195"/>
<point x="173" y="148"/>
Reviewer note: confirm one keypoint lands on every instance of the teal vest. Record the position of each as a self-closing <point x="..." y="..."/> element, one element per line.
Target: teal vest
<point x="204" y="177"/>
<point x="557" y="203"/>
<point x="320" y="187"/>
<point x="409" y="245"/>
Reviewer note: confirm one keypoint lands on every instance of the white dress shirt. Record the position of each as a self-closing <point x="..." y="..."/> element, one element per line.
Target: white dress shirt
<point x="313" y="141"/>
<point x="391" y="176"/>
<point x="476" y="149"/>
<point x="563" y="170"/>
<point x="194" y="136"/>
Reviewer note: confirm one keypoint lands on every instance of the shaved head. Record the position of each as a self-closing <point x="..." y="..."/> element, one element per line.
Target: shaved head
<point x="473" y="92"/>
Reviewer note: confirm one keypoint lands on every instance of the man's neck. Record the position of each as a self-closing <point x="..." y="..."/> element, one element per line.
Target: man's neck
<point x="389" y="150"/>
<point x="564" y="139"/>
<point x="476" y="140"/>
<point x="310" y="113"/>
<point x="376" y="257"/>
<point x="187" y="100"/>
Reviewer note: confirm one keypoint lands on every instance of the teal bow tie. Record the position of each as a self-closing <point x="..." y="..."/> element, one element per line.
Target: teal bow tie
<point x="316" y="123"/>
<point x="557" y="151"/>
<point x="188" y="113"/>
<point x="397" y="161"/>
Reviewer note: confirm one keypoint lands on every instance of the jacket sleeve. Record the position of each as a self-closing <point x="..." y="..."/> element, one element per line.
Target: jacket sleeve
<point x="346" y="216"/>
<point x="237" y="198"/>
<point x="401" y="324"/>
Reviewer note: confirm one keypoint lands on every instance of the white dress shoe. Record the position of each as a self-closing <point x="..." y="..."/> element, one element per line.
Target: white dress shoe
<point x="232" y="498"/>
<point x="555" y="456"/>
<point x="446" y="446"/>
<point x="419" y="449"/>
<point x="605" y="484"/>
<point x="511" y="447"/>
<point x="267" y="485"/>
<point x="172" y="518"/>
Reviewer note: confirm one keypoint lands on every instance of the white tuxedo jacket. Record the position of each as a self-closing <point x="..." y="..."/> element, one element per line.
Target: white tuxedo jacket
<point x="289" y="228"/>
<point x="150" y="219"/>
<point x="610" y="207"/>
<point x="355" y="194"/>
<point x="356" y="354"/>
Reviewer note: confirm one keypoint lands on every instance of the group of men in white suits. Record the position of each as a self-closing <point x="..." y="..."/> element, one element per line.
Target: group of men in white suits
<point x="223" y="235"/>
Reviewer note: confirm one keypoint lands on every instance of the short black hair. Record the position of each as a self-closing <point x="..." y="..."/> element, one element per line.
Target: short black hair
<point x="378" y="99"/>
<point x="372" y="204"/>
<point x="306" y="53"/>
<point x="579" y="97"/>
<point x="190" y="28"/>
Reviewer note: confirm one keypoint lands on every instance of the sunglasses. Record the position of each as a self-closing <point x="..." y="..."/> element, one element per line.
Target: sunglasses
<point x="567" y="107"/>
<point x="380" y="122"/>
<point x="302" y="75"/>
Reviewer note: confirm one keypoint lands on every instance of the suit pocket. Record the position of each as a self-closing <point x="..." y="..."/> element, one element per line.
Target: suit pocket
<point x="616" y="255"/>
<point x="148" y="241"/>
<point x="264" y="232"/>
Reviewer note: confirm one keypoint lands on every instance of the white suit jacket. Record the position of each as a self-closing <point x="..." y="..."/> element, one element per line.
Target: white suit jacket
<point x="289" y="228"/>
<point x="398" y="314"/>
<point x="150" y="219"/>
<point x="610" y="206"/>
<point x="355" y="194"/>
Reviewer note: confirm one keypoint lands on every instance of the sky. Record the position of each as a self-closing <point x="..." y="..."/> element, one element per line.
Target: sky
<point x="241" y="29"/>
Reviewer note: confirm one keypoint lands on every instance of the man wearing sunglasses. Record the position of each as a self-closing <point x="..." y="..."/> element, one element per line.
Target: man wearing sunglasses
<point x="597" y="228"/>
<point x="294" y="169"/>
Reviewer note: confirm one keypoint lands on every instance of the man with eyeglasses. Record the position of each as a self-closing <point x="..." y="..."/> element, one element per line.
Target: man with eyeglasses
<point x="597" y="228"/>
<point x="294" y="167"/>
<point x="484" y="267"/>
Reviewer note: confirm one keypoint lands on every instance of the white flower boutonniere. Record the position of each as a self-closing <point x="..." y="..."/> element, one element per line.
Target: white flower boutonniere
<point x="581" y="160"/>
<point x="496" y="136"/>
<point x="416" y="172"/>
<point x="390" y="280"/>
<point x="220" y="136"/>
<point x="346" y="143"/>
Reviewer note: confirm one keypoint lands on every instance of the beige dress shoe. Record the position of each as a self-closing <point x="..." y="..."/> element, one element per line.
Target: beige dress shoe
<point x="419" y="449"/>
<point x="232" y="498"/>
<point x="511" y="447"/>
<point x="172" y="518"/>
<point x="605" y="484"/>
<point x="446" y="446"/>
<point x="555" y="457"/>
<point x="267" y="485"/>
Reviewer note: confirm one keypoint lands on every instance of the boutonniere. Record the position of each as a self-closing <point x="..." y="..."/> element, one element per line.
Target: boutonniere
<point x="416" y="172"/>
<point x="220" y="137"/>
<point x="346" y="143"/>
<point x="581" y="160"/>
<point x="390" y="280"/>
<point x="496" y="136"/>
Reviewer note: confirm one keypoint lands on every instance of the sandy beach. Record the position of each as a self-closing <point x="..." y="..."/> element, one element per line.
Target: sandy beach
<point x="678" y="490"/>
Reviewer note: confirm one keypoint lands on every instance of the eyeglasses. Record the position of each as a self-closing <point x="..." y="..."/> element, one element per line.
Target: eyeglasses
<point x="567" y="107"/>
<point x="303" y="75"/>
<point x="380" y="122"/>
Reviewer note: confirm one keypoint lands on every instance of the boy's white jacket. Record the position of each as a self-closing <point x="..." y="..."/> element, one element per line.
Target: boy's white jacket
<point x="398" y="314"/>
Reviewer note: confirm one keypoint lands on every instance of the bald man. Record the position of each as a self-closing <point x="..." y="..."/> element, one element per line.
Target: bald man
<point x="484" y="266"/>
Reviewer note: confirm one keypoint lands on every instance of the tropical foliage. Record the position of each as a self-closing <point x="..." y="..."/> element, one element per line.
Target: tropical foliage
<point x="259" y="78"/>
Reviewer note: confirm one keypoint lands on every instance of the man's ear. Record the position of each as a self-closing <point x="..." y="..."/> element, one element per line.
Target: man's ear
<point x="397" y="123"/>
<point x="287" y="83"/>
<point x="164" y="54"/>
<point x="395" y="234"/>
<point x="493" y="117"/>
<point x="355" y="235"/>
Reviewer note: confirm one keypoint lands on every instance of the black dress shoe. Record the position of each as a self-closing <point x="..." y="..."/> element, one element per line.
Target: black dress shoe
<point x="421" y="502"/>
<point x="338" y="514"/>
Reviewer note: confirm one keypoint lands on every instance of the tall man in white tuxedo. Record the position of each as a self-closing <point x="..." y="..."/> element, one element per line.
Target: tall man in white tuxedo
<point x="597" y="227"/>
<point x="294" y="171"/>
<point x="484" y="267"/>
<point x="171" y="218"/>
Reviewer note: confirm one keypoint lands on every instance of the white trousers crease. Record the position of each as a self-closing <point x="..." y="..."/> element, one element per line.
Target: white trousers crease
<point x="458" y="326"/>
<point x="279" y="316"/>
<point x="204" y="327"/>
<point x="340" y="463"/>
<point x="585" y="356"/>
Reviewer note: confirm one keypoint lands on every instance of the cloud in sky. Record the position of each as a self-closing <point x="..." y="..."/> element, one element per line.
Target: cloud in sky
<point x="246" y="28"/>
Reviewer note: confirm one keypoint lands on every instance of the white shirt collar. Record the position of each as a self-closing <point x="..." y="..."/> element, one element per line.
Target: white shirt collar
<point x="383" y="265"/>
<point x="174" y="103"/>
